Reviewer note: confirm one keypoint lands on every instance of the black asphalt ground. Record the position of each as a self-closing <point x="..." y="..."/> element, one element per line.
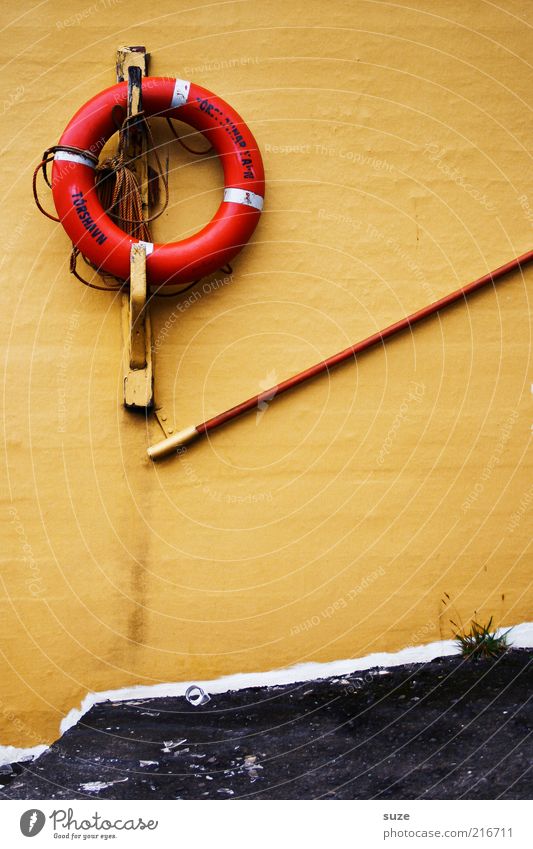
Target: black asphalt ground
<point x="447" y="729"/>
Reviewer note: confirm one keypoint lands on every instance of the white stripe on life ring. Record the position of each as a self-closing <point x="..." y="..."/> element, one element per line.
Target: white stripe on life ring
<point x="181" y="93"/>
<point x="244" y="197"/>
<point x="148" y="246"/>
<point x="66" y="156"/>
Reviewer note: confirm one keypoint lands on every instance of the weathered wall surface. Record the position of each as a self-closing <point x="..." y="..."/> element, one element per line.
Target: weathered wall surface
<point x="395" y="139"/>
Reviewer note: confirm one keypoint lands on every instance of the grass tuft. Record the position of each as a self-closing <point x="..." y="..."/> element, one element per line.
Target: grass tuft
<point x="480" y="640"/>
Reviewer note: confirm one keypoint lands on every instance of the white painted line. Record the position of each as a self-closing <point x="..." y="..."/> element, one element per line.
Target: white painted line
<point x="13" y="755"/>
<point x="521" y="636"/>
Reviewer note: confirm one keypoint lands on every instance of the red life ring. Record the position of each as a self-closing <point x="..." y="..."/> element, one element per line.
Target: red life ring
<point x="98" y="237"/>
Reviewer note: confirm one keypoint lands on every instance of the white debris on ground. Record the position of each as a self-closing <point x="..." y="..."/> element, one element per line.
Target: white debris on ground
<point x="170" y="744"/>
<point x="96" y="786"/>
<point x="251" y="766"/>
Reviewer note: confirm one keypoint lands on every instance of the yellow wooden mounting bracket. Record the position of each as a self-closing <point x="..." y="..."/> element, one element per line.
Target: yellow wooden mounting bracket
<point x="137" y="334"/>
<point x="132" y="65"/>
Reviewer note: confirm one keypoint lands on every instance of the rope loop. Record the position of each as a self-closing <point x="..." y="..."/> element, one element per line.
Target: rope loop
<point x="118" y="189"/>
<point x="47" y="157"/>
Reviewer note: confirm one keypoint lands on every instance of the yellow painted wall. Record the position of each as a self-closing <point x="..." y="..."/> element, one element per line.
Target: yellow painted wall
<point x="395" y="138"/>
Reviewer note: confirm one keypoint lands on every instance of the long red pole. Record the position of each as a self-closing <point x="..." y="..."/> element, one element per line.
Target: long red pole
<point x="177" y="440"/>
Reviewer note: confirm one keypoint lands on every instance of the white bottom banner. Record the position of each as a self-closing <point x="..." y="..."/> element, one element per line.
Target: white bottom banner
<point x="308" y="823"/>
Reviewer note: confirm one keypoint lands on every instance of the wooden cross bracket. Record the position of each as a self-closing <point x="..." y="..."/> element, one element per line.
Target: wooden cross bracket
<point x="131" y="56"/>
<point x="131" y="65"/>
<point x="137" y="332"/>
<point x="137" y="307"/>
